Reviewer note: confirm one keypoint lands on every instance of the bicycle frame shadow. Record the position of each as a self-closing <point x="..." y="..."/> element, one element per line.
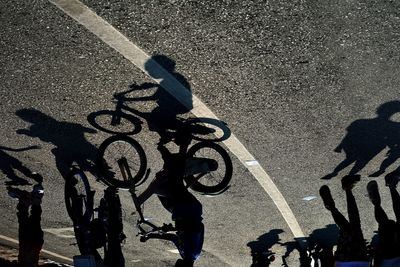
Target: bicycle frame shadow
<point x="164" y="116"/>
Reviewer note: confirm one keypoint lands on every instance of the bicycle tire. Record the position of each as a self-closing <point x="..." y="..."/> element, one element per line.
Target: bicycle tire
<point x="214" y="181"/>
<point x="115" y="148"/>
<point x="102" y="120"/>
<point x="77" y="186"/>
<point x="219" y="131"/>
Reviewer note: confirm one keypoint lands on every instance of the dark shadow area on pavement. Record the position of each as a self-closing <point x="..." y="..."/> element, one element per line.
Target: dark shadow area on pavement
<point x="319" y="247"/>
<point x="167" y="116"/>
<point x="67" y="137"/>
<point x="163" y="117"/>
<point x="9" y="165"/>
<point x="263" y="246"/>
<point x="365" y="138"/>
<point x="30" y="233"/>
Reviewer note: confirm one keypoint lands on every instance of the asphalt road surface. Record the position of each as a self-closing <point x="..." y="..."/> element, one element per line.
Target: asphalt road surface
<point x="288" y="78"/>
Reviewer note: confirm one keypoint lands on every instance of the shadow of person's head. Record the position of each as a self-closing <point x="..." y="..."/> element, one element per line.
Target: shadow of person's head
<point x="33" y="116"/>
<point x="388" y="109"/>
<point x="260" y="248"/>
<point x="265" y="241"/>
<point x="176" y="97"/>
<point x="152" y="66"/>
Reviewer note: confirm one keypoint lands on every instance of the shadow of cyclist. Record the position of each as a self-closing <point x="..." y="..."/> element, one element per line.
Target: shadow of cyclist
<point x="67" y="137"/>
<point x="366" y="138"/>
<point x="9" y="165"/>
<point x="164" y="116"/>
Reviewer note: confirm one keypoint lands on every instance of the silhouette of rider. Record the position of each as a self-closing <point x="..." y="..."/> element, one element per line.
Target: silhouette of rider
<point x="185" y="209"/>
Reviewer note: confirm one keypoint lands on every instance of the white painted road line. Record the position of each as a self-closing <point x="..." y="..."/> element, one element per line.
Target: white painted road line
<point x="112" y="37"/>
<point x="61" y="232"/>
<point x="54" y="256"/>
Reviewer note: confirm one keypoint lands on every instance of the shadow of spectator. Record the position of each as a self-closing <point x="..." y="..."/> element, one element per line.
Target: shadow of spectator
<point x="316" y="250"/>
<point x="9" y="165"/>
<point x="29" y="214"/>
<point x="263" y="244"/>
<point x="366" y="138"/>
<point x="67" y="137"/>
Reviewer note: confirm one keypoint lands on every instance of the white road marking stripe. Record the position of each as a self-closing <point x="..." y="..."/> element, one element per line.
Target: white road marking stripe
<point x="108" y="34"/>
<point x="58" y="256"/>
<point x="175" y="251"/>
<point x="309" y="198"/>
<point x="61" y="232"/>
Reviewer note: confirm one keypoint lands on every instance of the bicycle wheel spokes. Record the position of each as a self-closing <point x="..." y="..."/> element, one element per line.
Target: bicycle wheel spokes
<point x="212" y="177"/>
<point x="119" y="149"/>
<point x="220" y="166"/>
<point x="78" y="197"/>
<point x="114" y="122"/>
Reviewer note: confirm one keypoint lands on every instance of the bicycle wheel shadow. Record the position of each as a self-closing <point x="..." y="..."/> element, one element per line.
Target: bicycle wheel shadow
<point x="11" y="166"/>
<point x="68" y="138"/>
<point x="366" y="138"/>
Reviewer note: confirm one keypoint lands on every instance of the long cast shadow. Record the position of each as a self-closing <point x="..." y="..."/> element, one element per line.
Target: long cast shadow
<point x="10" y="165"/>
<point x="163" y="117"/>
<point x="170" y="113"/>
<point x="68" y="138"/>
<point x="365" y="138"/>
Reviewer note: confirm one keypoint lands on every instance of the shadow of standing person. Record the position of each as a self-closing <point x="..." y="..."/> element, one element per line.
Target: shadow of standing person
<point x="67" y="137"/>
<point x="366" y="138"/>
